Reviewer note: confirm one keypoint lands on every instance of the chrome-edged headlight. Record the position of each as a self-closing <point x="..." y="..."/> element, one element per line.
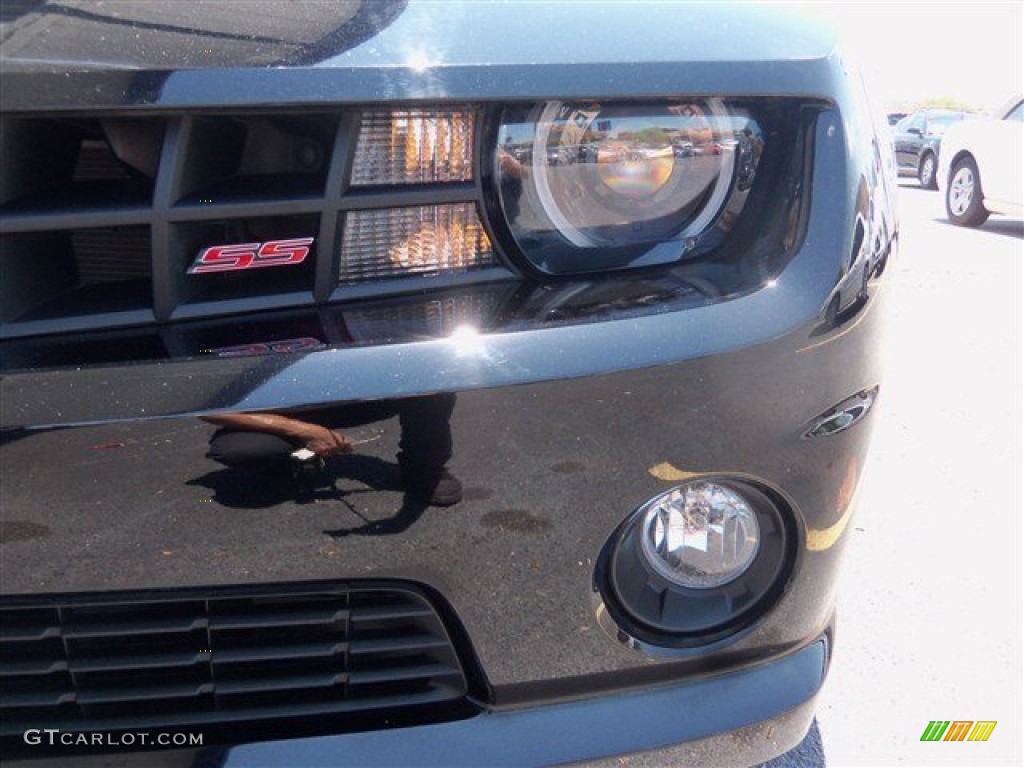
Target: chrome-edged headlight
<point x="591" y="186"/>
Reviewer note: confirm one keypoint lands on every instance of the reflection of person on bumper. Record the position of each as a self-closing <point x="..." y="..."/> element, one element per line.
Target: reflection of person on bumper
<point x="274" y="442"/>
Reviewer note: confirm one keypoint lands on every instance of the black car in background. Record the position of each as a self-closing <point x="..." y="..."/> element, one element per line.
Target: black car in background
<point x="429" y="382"/>
<point x="917" y="139"/>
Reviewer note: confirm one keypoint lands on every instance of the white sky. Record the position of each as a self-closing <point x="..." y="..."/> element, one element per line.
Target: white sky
<point x="969" y="51"/>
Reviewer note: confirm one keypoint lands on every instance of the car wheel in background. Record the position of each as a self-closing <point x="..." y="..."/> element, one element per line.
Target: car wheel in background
<point x="963" y="195"/>
<point x="926" y="172"/>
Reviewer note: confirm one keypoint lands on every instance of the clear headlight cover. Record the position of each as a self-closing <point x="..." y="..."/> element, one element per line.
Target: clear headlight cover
<point x="588" y="186"/>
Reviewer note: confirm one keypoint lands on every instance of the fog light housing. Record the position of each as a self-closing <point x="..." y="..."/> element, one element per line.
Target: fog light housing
<point x="694" y="564"/>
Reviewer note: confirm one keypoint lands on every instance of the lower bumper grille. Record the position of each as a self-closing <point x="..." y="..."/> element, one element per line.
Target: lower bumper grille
<point x="221" y="656"/>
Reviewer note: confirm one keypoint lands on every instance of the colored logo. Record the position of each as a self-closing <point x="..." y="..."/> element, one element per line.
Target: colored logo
<point x="229" y="258"/>
<point x="270" y="347"/>
<point x="958" y="730"/>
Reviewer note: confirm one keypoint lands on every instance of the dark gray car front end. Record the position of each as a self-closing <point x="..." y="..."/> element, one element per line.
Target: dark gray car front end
<point x="627" y="260"/>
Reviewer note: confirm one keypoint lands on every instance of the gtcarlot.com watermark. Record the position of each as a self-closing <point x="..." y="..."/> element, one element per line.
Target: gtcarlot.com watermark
<point x="54" y="737"/>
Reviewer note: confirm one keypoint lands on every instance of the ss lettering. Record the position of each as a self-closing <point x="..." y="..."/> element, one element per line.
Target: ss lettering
<point x="229" y="258"/>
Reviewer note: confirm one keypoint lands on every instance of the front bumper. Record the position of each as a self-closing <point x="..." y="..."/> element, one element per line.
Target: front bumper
<point x="708" y="722"/>
<point x="551" y="468"/>
<point x="592" y="729"/>
<point x="560" y="430"/>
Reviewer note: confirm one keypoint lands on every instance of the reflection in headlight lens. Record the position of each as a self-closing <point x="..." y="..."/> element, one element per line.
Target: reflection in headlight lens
<point x="617" y="176"/>
<point x="634" y="173"/>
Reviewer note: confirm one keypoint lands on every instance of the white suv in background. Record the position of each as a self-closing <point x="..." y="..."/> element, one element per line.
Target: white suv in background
<point x="981" y="167"/>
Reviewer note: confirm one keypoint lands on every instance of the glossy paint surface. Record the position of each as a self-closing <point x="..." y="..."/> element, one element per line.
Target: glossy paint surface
<point x="203" y="56"/>
<point x="574" y="402"/>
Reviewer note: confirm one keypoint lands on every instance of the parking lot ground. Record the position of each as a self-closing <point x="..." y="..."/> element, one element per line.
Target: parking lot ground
<point x="930" y="604"/>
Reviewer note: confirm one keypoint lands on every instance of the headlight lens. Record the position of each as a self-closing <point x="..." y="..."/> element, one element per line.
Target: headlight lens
<point x="587" y="186"/>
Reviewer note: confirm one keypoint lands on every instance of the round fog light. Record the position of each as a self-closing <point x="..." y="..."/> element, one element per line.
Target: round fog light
<point x="694" y="564"/>
<point x="700" y="535"/>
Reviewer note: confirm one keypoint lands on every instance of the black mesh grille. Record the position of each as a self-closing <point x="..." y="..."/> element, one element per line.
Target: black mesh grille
<point x="223" y="656"/>
<point x="101" y="218"/>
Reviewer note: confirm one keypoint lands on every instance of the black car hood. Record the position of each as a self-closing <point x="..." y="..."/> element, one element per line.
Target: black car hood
<point x="69" y="35"/>
<point x="142" y="34"/>
<point x="70" y="55"/>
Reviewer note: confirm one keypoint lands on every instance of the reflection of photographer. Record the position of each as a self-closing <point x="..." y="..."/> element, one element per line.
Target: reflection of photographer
<point x="292" y="447"/>
<point x="512" y="173"/>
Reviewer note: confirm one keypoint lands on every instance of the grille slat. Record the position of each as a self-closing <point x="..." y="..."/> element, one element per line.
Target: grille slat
<point x="230" y="655"/>
<point x="150" y="662"/>
<point x="388" y="613"/>
<point x="291" y="683"/>
<point x="16" y="635"/>
<point x="271" y="653"/>
<point x="38" y="700"/>
<point x="420" y="672"/>
<point x="144" y="693"/>
<point x="138" y="627"/>
<point x="295" y="619"/>
<point x="391" y="644"/>
<point x="34" y="667"/>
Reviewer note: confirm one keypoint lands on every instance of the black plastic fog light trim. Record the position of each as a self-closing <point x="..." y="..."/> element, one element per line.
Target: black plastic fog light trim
<point x="649" y="610"/>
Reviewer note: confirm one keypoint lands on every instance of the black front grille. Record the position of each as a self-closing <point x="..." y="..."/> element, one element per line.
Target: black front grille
<point x="222" y="656"/>
<point x="102" y="218"/>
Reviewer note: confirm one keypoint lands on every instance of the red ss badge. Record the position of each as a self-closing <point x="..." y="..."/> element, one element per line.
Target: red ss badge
<point x="260" y="348"/>
<point x="228" y="258"/>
